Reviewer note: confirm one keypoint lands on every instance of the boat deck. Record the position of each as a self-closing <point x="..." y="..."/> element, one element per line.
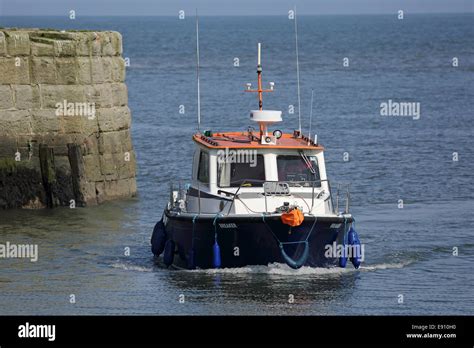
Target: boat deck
<point x="243" y="140"/>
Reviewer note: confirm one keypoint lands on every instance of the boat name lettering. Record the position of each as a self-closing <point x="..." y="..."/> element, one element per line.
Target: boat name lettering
<point x="229" y="225"/>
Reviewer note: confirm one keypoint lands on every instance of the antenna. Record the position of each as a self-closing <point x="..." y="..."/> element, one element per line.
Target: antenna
<point x="298" y="73"/>
<point x="197" y="72"/>
<point x="260" y="89"/>
<point x="310" y="115"/>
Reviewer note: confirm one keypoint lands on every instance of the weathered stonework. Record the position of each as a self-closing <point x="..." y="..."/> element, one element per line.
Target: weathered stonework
<point x="64" y="119"/>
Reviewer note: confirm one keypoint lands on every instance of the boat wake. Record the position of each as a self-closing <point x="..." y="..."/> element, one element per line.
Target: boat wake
<point x="272" y="269"/>
<point x="385" y="266"/>
<point x="283" y="269"/>
<point x="130" y="267"/>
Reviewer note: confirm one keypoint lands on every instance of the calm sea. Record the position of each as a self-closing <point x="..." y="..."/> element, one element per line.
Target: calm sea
<point x="409" y="251"/>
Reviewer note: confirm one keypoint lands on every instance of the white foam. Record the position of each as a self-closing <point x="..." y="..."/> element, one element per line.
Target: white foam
<point x="385" y="266"/>
<point x="131" y="267"/>
<point x="274" y="269"/>
<point x="285" y="270"/>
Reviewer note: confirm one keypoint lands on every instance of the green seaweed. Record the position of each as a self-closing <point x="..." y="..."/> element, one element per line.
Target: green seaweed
<point x="8" y="165"/>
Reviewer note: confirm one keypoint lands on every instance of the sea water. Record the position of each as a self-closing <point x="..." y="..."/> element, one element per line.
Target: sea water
<point x="411" y="177"/>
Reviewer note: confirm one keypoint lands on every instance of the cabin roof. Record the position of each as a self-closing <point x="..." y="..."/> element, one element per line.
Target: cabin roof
<point x="242" y="140"/>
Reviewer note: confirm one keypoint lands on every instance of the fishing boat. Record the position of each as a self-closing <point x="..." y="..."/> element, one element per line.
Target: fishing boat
<point x="256" y="197"/>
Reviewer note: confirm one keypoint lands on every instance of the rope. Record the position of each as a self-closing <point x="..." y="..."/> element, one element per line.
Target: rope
<point x="215" y="226"/>
<point x="345" y="237"/>
<point x="295" y="264"/>
<point x="284" y="243"/>
<point x="193" y="234"/>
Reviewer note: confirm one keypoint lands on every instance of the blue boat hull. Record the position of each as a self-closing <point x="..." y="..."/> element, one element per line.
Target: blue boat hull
<point x="251" y="240"/>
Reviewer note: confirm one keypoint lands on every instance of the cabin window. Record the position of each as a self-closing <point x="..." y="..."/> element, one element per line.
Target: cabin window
<point x="293" y="168"/>
<point x="233" y="173"/>
<point x="203" y="170"/>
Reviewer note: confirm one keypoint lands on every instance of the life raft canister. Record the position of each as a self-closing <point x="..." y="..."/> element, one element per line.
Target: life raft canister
<point x="292" y="218"/>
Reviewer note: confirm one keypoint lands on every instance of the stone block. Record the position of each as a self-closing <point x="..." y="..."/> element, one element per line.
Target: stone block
<point x="54" y="95"/>
<point x="119" y="94"/>
<point x="18" y="43"/>
<point x="45" y="121"/>
<point x="95" y="45"/>
<point x="117" y="69"/>
<point x="89" y="193"/>
<point x="15" y="70"/>
<point x="84" y="70"/>
<point x="100" y="95"/>
<point x="114" y="189"/>
<point x="128" y="169"/>
<point x="92" y="168"/>
<point x="91" y="126"/>
<point x="71" y="124"/>
<point x="78" y="124"/>
<point x="83" y="45"/>
<point x="43" y="70"/>
<point x="115" y="142"/>
<point x="108" y="48"/>
<point x="116" y="166"/>
<point x="64" y="48"/>
<point x="108" y="167"/>
<point x="100" y="191"/>
<point x="101" y="70"/>
<point x="66" y="70"/>
<point x="27" y="97"/>
<point x="3" y="44"/>
<point x="116" y="39"/>
<point x="90" y="144"/>
<point x="14" y="123"/>
<point x="114" y="119"/>
<point x="6" y="97"/>
<point x="40" y="48"/>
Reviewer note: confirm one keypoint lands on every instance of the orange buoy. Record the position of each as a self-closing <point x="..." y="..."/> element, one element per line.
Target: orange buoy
<point x="293" y="218"/>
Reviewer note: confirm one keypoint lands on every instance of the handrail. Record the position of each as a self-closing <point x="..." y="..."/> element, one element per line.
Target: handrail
<point x="225" y="192"/>
<point x="246" y="181"/>
<point x="302" y="184"/>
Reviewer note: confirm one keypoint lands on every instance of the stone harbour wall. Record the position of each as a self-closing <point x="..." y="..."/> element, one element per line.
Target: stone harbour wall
<point x="64" y="119"/>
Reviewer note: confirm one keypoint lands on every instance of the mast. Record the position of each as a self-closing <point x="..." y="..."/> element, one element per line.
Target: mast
<point x="310" y="116"/>
<point x="297" y="73"/>
<point x="197" y="73"/>
<point x="260" y="89"/>
<point x="259" y="74"/>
